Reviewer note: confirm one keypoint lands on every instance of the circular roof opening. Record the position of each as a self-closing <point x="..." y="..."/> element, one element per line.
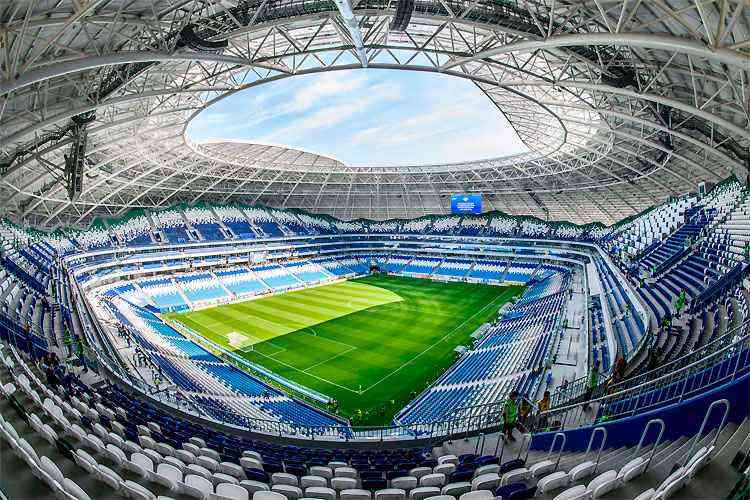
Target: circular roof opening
<point x="366" y="118"/>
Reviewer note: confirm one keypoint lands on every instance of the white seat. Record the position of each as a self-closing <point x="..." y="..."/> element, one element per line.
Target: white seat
<point x="322" y="471"/>
<point x="176" y="462"/>
<point x="219" y="477"/>
<point x="185" y="456"/>
<point x="268" y="495"/>
<point x="208" y="452"/>
<point x="197" y="486"/>
<point x="448" y="459"/>
<point x="418" y="472"/>
<point x="169" y="476"/>
<point x="404" y="483"/>
<point x="390" y="494"/>
<point x="209" y="463"/>
<point x="309" y="481"/>
<point x="196" y="441"/>
<point x="140" y="464"/>
<point x="146" y="441"/>
<point x="355" y="494"/>
<point x="50" y="468"/>
<point x="253" y="486"/>
<point x="575" y="493"/>
<point x="516" y="475"/>
<point x="289" y="491"/>
<point x="253" y="454"/>
<point x="100" y="431"/>
<point x="110" y="478"/>
<point x="485" y="482"/>
<point x="542" y="468"/>
<point x="699" y="460"/>
<point x="432" y="480"/>
<point x="646" y="495"/>
<point x="671" y="484"/>
<point x="345" y="471"/>
<point x="284" y="478"/>
<point x="582" y="470"/>
<point x="445" y="468"/>
<point x="198" y="470"/>
<point x="632" y="469"/>
<point x="343" y="483"/>
<point x="485" y="469"/>
<point x="86" y="462"/>
<point x="195" y="450"/>
<point x="321" y="492"/>
<point x="154" y="455"/>
<point x="94" y="443"/>
<point x="136" y="491"/>
<point x="229" y="491"/>
<point x="164" y="449"/>
<point x="423" y="492"/>
<point x="553" y="481"/>
<point x="477" y="495"/>
<point x="115" y="439"/>
<point x="251" y="463"/>
<point x="603" y="484"/>
<point x="456" y="489"/>
<point x="75" y="491"/>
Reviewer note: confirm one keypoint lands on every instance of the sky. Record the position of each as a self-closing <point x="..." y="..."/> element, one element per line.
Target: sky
<point x="366" y="117"/>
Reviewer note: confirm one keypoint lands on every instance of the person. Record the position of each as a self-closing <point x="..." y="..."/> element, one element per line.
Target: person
<point x="510" y="415"/>
<point x="52" y="380"/>
<point x="619" y="370"/>
<point x="543" y="405"/>
<point x="591" y="383"/>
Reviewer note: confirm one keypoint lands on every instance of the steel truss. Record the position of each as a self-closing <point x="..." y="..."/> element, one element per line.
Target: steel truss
<point x="621" y="103"/>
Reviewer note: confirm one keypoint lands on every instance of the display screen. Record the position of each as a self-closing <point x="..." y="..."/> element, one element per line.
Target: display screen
<point x="466" y="204"/>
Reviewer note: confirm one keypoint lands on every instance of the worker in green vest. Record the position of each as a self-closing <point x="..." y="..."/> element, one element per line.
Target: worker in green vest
<point x="510" y="415"/>
<point x="591" y="383"/>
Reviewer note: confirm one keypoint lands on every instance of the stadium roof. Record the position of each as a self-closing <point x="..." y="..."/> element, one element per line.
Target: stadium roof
<point x="621" y="103"/>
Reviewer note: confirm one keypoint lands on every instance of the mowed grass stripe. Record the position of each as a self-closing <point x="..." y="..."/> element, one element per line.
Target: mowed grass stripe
<point x="266" y="318"/>
<point x="371" y="359"/>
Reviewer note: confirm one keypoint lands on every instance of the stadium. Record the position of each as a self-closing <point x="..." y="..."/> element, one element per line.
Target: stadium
<point x="532" y="280"/>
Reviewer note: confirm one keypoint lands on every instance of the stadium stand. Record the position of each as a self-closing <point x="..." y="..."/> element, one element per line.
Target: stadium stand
<point x="698" y="362"/>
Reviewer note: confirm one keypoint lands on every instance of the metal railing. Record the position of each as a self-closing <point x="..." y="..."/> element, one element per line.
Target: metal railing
<point x="716" y="364"/>
<point x="576" y="389"/>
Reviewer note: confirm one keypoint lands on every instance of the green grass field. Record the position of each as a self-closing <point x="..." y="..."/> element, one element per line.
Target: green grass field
<point x="369" y="343"/>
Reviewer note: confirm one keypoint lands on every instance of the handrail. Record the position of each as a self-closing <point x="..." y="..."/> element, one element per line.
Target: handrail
<point x="725" y="282"/>
<point x="662" y="426"/>
<point x="560" y="451"/>
<point x="601" y="445"/>
<point x="672" y="260"/>
<point x="736" y="352"/>
<point x="525" y="440"/>
<point x="695" y="442"/>
<point x="691" y="358"/>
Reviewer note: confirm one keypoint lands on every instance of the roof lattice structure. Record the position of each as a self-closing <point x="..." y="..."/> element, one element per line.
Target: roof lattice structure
<point x="620" y="102"/>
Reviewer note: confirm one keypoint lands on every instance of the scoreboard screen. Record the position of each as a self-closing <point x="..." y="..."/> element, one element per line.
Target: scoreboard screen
<point x="466" y="204"/>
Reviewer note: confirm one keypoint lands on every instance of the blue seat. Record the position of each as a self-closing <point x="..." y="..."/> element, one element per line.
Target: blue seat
<point x="504" y="492"/>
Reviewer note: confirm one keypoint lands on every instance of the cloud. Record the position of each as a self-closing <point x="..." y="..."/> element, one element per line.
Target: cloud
<point x="367" y="117"/>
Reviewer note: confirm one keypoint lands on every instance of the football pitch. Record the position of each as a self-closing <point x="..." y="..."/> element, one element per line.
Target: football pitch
<point x="370" y="343"/>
